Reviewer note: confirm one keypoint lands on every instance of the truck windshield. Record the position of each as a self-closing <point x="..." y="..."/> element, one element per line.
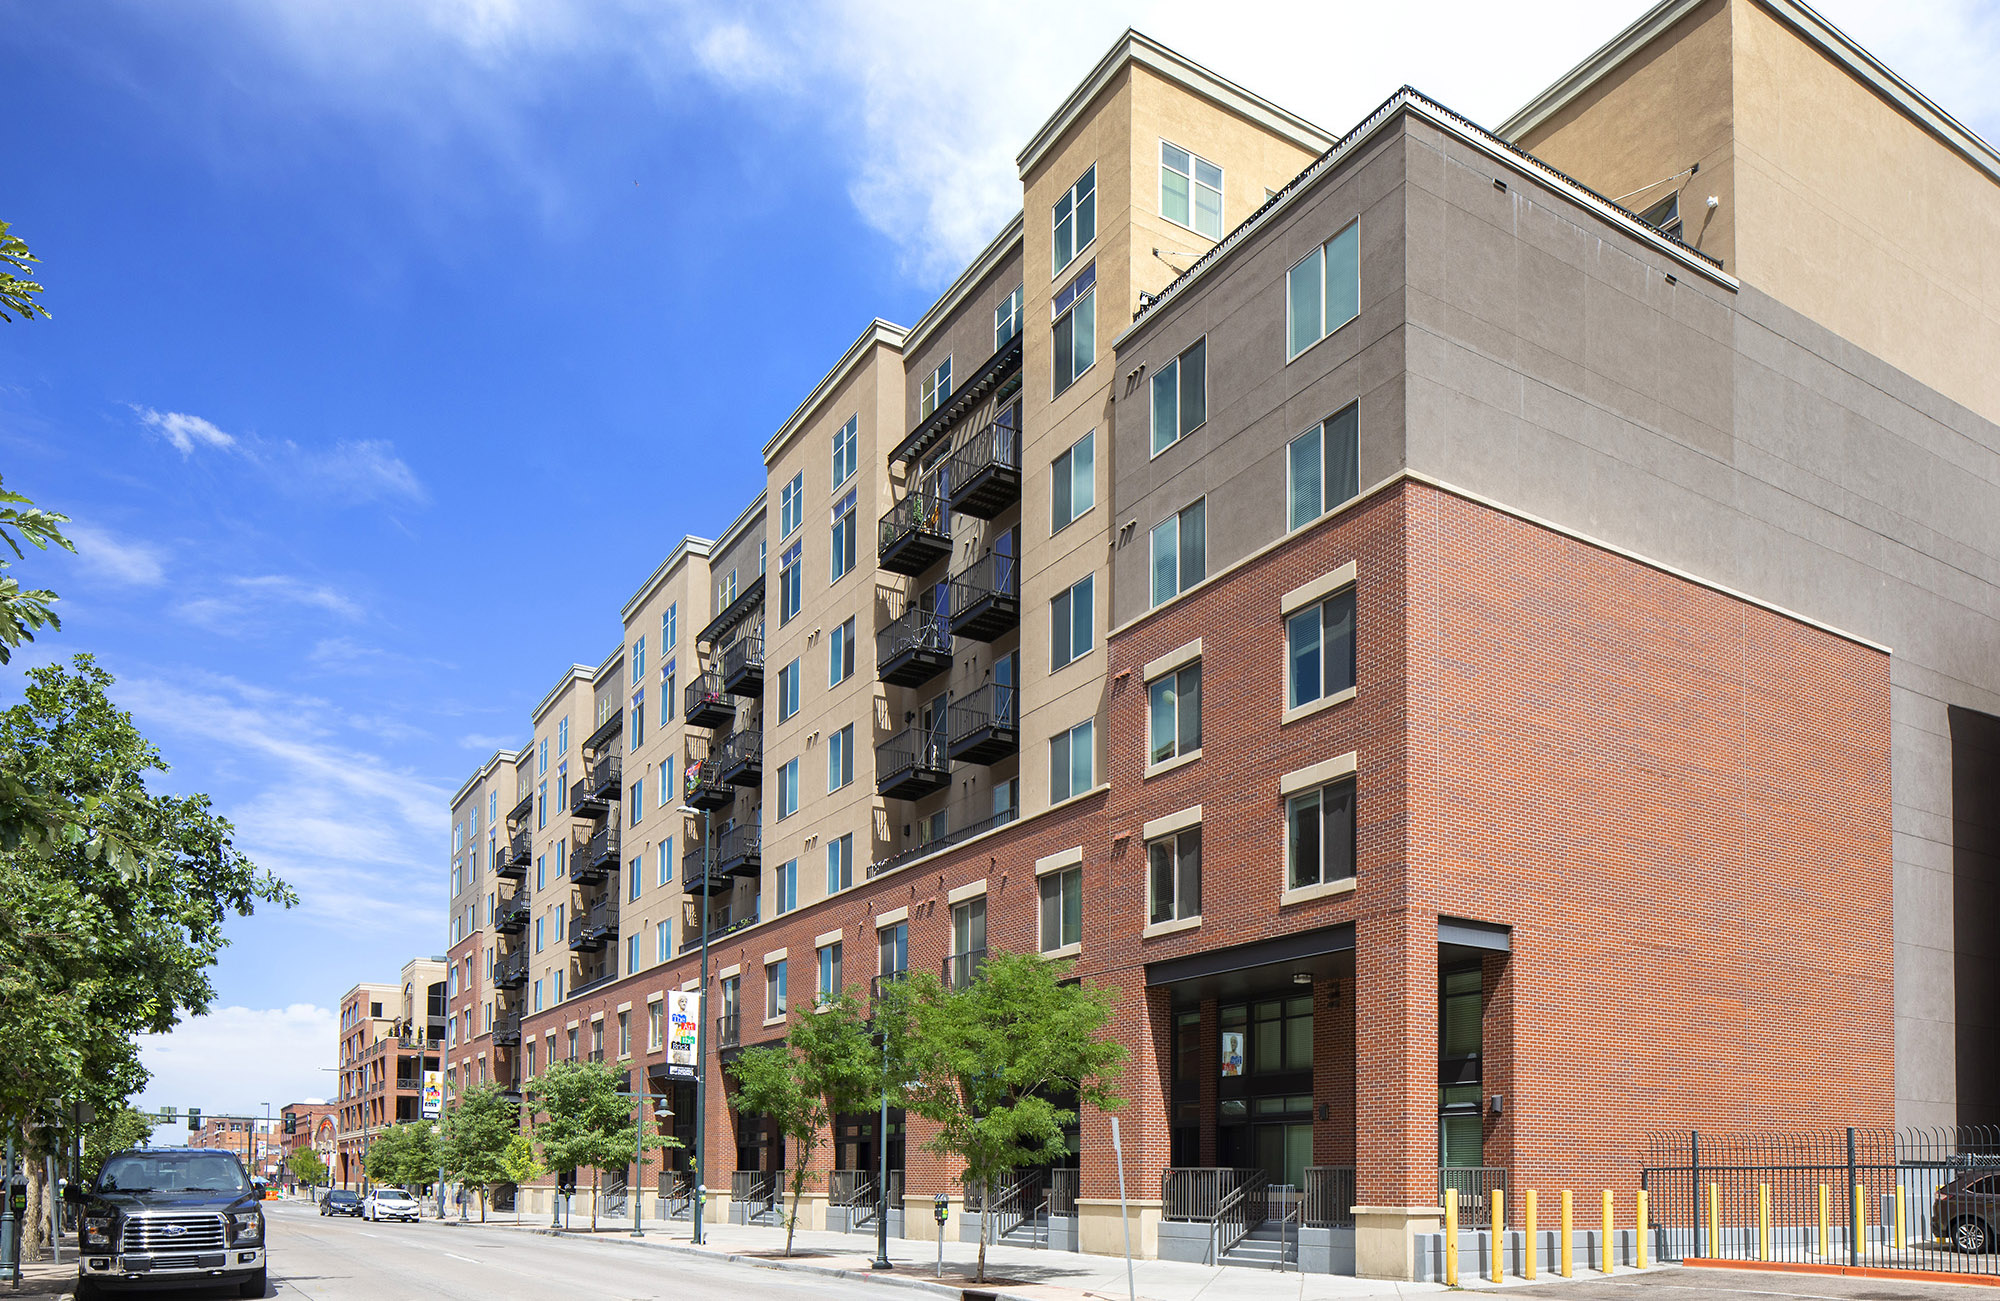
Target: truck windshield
<point x="140" y="1172"/>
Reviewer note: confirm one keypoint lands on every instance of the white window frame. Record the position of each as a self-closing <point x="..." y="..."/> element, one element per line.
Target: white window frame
<point x="1059" y="468"/>
<point x="1316" y="793"/>
<point x="935" y="389"/>
<point x="1176" y="529"/>
<point x="1062" y="879"/>
<point x="1195" y="185"/>
<point x="1075" y="302"/>
<point x="1326" y="331"/>
<point x="1175" y="679"/>
<point x="846" y="451"/>
<point x="792" y="505"/>
<point x="791" y="583"/>
<point x="831" y="974"/>
<point x="845" y="512"/>
<point x="1067" y="210"/>
<point x="1007" y="319"/>
<point x="775" y="989"/>
<point x="1173" y="843"/>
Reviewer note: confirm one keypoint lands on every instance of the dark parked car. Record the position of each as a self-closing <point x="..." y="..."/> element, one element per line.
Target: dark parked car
<point x="168" y="1217"/>
<point x="341" y="1201"/>
<point x="1966" y="1211"/>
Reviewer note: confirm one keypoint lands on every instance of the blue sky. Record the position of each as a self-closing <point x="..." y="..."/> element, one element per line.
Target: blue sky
<point x="396" y="341"/>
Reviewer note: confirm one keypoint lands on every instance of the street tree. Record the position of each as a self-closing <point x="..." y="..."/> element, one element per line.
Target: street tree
<point x="112" y="1132"/>
<point x="999" y="1064"/>
<point x="828" y="1065"/>
<point x="518" y="1163"/>
<point x="18" y="287"/>
<point x="307" y="1168"/>
<point x="482" y="1122"/>
<point x="589" y="1124"/>
<point x="406" y="1156"/>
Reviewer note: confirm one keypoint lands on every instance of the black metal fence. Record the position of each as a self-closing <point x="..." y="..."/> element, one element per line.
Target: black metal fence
<point x="1922" y="1199"/>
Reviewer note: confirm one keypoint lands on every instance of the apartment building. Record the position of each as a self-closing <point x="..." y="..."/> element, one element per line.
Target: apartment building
<point x="307" y="1126"/>
<point x="1456" y="654"/>
<point x="389" y="1036"/>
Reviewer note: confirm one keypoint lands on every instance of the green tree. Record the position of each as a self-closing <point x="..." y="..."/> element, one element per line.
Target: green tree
<point x="307" y="1168"/>
<point x="405" y="1156"/>
<point x="17" y="285"/>
<point x="827" y="1066"/>
<point x="112" y="1132"/>
<point x="589" y="1124"/>
<point x="23" y="612"/>
<point x="995" y="1063"/>
<point x="520" y="1166"/>
<point x="482" y="1122"/>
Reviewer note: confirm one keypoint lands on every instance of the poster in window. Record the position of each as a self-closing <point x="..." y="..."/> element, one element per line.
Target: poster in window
<point x="1232" y="1053"/>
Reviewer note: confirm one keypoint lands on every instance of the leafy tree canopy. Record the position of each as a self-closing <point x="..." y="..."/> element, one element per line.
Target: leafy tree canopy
<point x="307" y="1168"/>
<point x="18" y="287"/>
<point x="112" y="1132"/>
<point x="589" y="1125"/>
<point x="407" y="1155"/>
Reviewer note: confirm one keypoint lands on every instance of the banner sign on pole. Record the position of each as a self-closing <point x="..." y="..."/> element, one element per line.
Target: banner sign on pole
<point x="433" y="1094"/>
<point x="683" y="1024"/>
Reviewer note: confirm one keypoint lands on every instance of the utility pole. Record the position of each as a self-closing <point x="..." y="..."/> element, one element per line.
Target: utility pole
<point x="701" y="1029"/>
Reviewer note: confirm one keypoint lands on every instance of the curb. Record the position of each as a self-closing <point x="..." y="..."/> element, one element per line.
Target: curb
<point x="1848" y="1271"/>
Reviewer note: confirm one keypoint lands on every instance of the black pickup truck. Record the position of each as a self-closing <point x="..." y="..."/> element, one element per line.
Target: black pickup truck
<point x="168" y="1217"/>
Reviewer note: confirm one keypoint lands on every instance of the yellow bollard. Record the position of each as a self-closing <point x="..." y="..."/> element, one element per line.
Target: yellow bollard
<point x="1528" y="1215"/>
<point x="1499" y="1196"/>
<point x="1451" y="1237"/>
<point x="1609" y="1254"/>
<point x="1567" y="1227"/>
<point x="1763" y="1221"/>
<point x="1901" y="1229"/>
<point x="1825" y="1246"/>
<point x="1714" y="1222"/>
<point x="1859" y="1222"/>
<point x="1639" y="1233"/>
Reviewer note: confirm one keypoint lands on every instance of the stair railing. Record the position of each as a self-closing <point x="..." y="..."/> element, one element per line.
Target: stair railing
<point x="1245" y="1208"/>
<point x="1294" y="1216"/>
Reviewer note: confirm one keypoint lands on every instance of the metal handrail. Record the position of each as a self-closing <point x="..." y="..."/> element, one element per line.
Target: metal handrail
<point x="1329" y="1196"/>
<point x="961" y="968"/>
<point x="744" y="652"/>
<point x="911" y="750"/>
<point x="1246" y="1207"/>
<point x="914" y="629"/>
<point x="923" y="511"/>
<point x="1293" y="1216"/>
<point x="993" y="574"/>
<point x="992" y="705"/>
<point x="997" y="444"/>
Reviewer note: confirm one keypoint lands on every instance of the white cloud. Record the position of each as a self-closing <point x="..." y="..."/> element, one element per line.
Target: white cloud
<point x="184" y="431"/>
<point x="351" y="471"/>
<point x="482" y="741"/>
<point x="233" y="603"/>
<point x="106" y="556"/>
<point x="235" y="1059"/>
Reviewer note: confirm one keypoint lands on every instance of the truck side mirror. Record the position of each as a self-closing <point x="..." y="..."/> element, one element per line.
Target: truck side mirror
<point x="74" y="1194"/>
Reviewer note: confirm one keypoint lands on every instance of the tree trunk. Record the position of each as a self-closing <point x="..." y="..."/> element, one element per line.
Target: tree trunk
<point x="798" y="1191"/>
<point x="593" y="1201"/>
<point x="985" y="1215"/>
<point x="482" y="1203"/>
<point x="36" y="1245"/>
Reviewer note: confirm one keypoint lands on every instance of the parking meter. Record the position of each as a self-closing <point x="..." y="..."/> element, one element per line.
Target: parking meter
<point x="940" y="1207"/>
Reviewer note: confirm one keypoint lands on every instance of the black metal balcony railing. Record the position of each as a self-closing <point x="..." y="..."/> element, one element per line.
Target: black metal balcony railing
<point x="507" y="1029"/>
<point x="596" y="858"/>
<point x="983" y="725"/>
<point x="742" y="760"/>
<point x="912" y="764"/>
<point x="986" y="597"/>
<point x="915" y="534"/>
<point x="593" y="927"/>
<point x="593" y="794"/>
<point x="512" y="917"/>
<point x="914" y="648"/>
<point x="524" y="807"/>
<point x="883" y="981"/>
<point x="958" y="834"/>
<point x="960" y="969"/>
<point x="985" y="471"/>
<point x="723" y="922"/>
<point x="728" y="1031"/>
<point x="515" y="856"/>
<point x="701" y="873"/>
<point x="511" y="972"/>
<point x="702" y="785"/>
<point x="707" y="703"/>
<point x="739" y="851"/>
<point x="743" y="666"/>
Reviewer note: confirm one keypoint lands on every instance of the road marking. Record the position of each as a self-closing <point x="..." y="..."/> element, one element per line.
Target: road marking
<point x="366" y="1234"/>
<point x="467" y="1259"/>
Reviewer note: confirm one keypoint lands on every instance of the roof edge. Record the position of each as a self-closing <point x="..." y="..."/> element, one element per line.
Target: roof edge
<point x="989" y="257"/>
<point x="877" y="331"/>
<point x="479" y="774"/>
<point x="574" y="673"/>
<point x="689" y="545"/>
<point x="729" y="535"/>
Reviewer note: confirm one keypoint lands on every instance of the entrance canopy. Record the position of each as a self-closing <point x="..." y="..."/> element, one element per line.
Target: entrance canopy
<point x="1260" y="968"/>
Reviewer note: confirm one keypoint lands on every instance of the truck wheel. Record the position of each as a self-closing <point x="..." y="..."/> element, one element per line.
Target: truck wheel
<point x="256" y="1285"/>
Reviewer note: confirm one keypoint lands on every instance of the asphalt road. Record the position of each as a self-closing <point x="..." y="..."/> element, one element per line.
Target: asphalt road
<point x="338" y="1259"/>
<point x="1715" y="1284"/>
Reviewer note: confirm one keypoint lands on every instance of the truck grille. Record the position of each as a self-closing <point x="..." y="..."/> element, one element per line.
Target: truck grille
<point x="160" y="1232"/>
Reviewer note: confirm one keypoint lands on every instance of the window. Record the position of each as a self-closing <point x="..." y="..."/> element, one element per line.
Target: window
<point x="663" y="948"/>
<point x="542" y="806"/>
<point x="636" y="874"/>
<point x="792" y="505"/>
<point x="1323" y="467"/>
<point x="562" y="786"/>
<point x="829" y="972"/>
<point x="631" y="960"/>
<point x="653" y="1025"/>
<point x="840" y="864"/>
<point x="1664" y="216"/>
<point x="1190" y="191"/>
<point x="1072" y="622"/>
<point x="788" y="691"/>
<point x="788" y="788"/>
<point x="1006" y="800"/>
<point x="1075" y="315"/>
<point x="846" y="445"/>
<point x="1323" y="292"/>
<point x="788" y="886"/>
<point x="725" y="591"/>
<point x="637" y="802"/>
<point x="493" y="797"/>
<point x="541" y="871"/>
<point x="840" y="654"/>
<point x="1319" y="649"/>
<point x="1075" y="482"/>
<point x="840" y="758"/>
<point x="667" y="693"/>
<point x="968" y="942"/>
<point x="624" y="1034"/>
<point x="1173" y="869"/>
<point x="562" y="858"/>
<point x="1180" y="397"/>
<point x="1174" y="714"/>
<point x="665" y="794"/>
<point x="843" y="535"/>
<point x="560" y="929"/>
<point x="935" y="389"/>
<point x="531" y="1048"/>
<point x="1070" y="755"/>
<point x="664" y="869"/>
<point x="774" y="990"/>
<point x="790" y="586"/>
<point x="1062" y="908"/>
<point x="638" y="663"/>
<point x="1074" y="221"/>
<point x="1180" y="552"/>
<point x="670" y="627"/>
<point x="542" y="757"/>
<point x="1007" y="320"/>
<point x="1460" y="1081"/>
<point x="1320" y="835"/>
<point x="892" y="949"/>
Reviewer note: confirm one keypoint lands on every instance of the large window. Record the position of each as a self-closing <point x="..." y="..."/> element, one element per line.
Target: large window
<point x="788" y="788"/>
<point x="663" y="867"/>
<point x="1075" y="482"/>
<point x="1323" y="292"/>
<point x="1180" y="551"/>
<point x="968" y="942"/>
<point x="1460" y="1077"/>
<point x="788" y="691"/>
<point x="787" y="884"/>
<point x="1319" y="650"/>
<point x="830" y="977"/>
<point x="1007" y="320"/>
<point x="846" y="443"/>
<point x="840" y="654"/>
<point x="1190" y="191"/>
<point x="843" y="536"/>
<point x="670" y="627"/>
<point x="1070" y="759"/>
<point x="1072" y="621"/>
<point x="892" y="949"/>
<point x="792" y="504"/>
<point x="936" y="387"/>
<point x="1323" y="467"/>
<point x="636" y="874"/>
<point x="1180" y="397"/>
<point x="840" y="758"/>
<point x="638" y="664"/>
<point x="1075" y="329"/>
<point x="1074" y="221"/>
<point x="1062" y="909"/>
<point x="774" y="990"/>
<point x="1173" y="870"/>
<point x="1173" y="711"/>
<point x="840" y="864"/>
<point x="790" y="584"/>
<point x="1319" y="836"/>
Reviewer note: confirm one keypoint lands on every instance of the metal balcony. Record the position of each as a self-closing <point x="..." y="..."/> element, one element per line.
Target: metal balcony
<point x="986" y="597"/>
<point x="590" y="930"/>
<point x="742" y="761"/>
<point x="515" y="857"/>
<point x="961" y="969"/>
<point x="882" y="982"/>
<point x="728" y="1031"/>
<point x="595" y="858"/>
<point x="513" y="917"/>
<point x="593" y="794"/>
<point x="511" y="972"/>
<point x="985" y="472"/>
<point x="914" y="648"/>
<point x="708" y="703"/>
<point x="743" y="666"/>
<point x="704" y="876"/>
<point x="915" y="534"/>
<point x="703" y="786"/>
<point x="507" y="1029"/>
<point x="524" y="808"/>
<point x="739" y="851"/>
<point x="984" y="725"/>
<point x="912" y="764"/>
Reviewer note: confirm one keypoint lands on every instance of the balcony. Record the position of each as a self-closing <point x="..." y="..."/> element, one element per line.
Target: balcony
<point x="722" y="924"/>
<point x="912" y="764"/>
<point x="514" y="859"/>
<point x="743" y="666"/>
<point x="708" y="703"/>
<point x="742" y="761"/>
<point x="513" y="917"/>
<point x="511" y="972"/>
<point x="986" y="597"/>
<point x="597" y="857"/>
<point x="961" y="969"/>
<point x="914" y="648"/>
<point x="591" y="929"/>
<point x="915" y="534"/>
<point x="507" y="1030"/>
<point x="524" y="808"/>
<point x="593" y="794"/>
<point x="701" y="875"/>
<point x="984" y="725"/>
<point x="879" y="984"/>
<point x="703" y="786"/>
<point x="985" y="472"/>
<point x="728" y="1031"/>
<point x="739" y="851"/>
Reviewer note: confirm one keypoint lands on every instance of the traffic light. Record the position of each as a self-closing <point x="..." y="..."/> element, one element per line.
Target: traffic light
<point x="194" y="1119"/>
<point x="166" y="1115"/>
<point x="291" y="1124"/>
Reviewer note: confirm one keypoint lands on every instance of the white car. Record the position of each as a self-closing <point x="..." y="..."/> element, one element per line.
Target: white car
<point x="389" y="1204"/>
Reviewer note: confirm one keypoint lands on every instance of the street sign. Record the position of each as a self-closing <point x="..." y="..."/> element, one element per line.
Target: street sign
<point x="683" y="1024"/>
<point x="433" y="1094"/>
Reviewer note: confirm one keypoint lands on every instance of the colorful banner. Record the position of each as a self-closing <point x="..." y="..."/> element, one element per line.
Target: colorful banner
<point x="433" y="1094"/>
<point x="683" y="1027"/>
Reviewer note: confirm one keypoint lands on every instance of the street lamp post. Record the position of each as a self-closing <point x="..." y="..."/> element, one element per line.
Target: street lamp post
<point x="701" y="1031"/>
<point x="882" y="1167"/>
